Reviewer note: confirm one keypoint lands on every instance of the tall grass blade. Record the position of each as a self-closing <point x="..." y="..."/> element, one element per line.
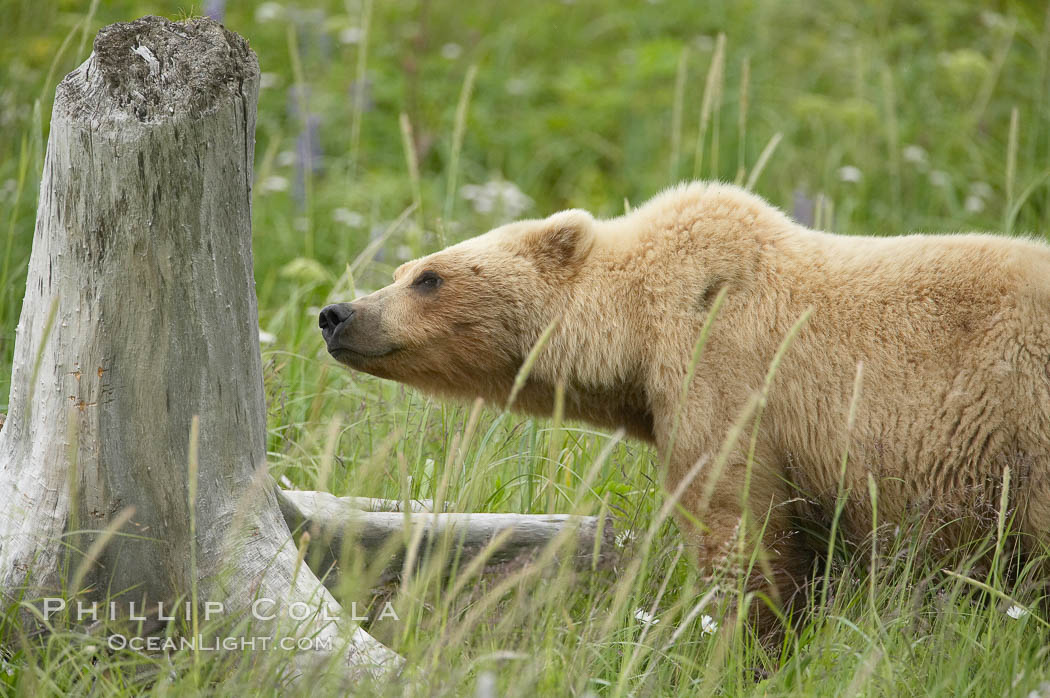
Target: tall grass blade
<point x="458" y="131"/>
<point x="711" y="89"/>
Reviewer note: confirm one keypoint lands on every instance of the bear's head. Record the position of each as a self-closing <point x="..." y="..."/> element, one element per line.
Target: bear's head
<point x="461" y="321"/>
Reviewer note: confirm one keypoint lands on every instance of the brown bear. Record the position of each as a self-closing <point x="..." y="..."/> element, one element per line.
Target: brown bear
<point x="918" y="363"/>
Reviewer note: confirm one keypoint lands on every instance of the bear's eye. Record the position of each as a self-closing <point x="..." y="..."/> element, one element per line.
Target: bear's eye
<point x="427" y="281"/>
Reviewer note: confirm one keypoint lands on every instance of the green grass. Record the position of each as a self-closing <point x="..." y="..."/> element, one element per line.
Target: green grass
<point x="941" y="111"/>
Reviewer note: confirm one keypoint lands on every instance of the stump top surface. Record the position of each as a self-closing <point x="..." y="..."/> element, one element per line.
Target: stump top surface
<point x="154" y="68"/>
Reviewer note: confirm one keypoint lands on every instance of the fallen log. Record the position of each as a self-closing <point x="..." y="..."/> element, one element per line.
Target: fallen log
<point x="376" y="504"/>
<point x="337" y="525"/>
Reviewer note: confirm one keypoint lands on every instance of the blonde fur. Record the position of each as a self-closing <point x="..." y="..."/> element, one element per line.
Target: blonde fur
<point x="952" y="333"/>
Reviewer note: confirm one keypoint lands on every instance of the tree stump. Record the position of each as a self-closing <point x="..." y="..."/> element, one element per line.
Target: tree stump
<point x="136" y="406"/>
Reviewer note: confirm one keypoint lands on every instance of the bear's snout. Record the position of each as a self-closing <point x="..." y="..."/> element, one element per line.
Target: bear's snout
<point x="331" y="317"/>
<point x="353" y="333"/>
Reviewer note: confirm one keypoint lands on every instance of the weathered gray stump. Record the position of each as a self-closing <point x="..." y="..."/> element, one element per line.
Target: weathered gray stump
<point x="139" y="315"/>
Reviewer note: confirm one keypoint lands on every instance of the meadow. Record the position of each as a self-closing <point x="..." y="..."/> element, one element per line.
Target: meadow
<point x="389" y="129"/>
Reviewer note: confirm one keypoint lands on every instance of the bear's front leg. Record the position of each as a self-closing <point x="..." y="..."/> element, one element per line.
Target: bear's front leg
<point x="740" y="532"/>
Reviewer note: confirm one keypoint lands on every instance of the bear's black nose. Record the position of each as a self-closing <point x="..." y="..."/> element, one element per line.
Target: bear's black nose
<point x="332" y="316"/>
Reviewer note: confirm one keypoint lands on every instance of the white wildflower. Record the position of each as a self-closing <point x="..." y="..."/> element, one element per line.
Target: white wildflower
<point x="993" y="20"/>
<point x="514" y="200"/>
<point x="915" y="154"/>
<point x="286" y="158"/>
<point x="645" y="618"/>
<point x="351" y="35"/>
<point x="981" y="189"/>
<point x="708" y="625"/>
<point x="486" y="685"/>
<point x="266" y="337"/>
<point x="849" y="173"/>
<point x="451" y="51"/>
<point x="349" y="218"/>
<point x="940" y="178"/>
<point x="1042" y="692"/>
<point x="1017" y="612"/>
<point x="475" y="195"/>
<point x="517" y="86"/>
<point x="273" y="183"/>
<point x="497" y="196"/>
<point x="704" y="42"/>
<point x="973" y="204"/>
<point x="269" y="12"/>
<point x="626" y="537"/>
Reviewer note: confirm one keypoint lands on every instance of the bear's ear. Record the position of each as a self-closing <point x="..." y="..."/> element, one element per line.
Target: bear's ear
<point x="562" y="240"/>
<point x="401" y="269"/>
